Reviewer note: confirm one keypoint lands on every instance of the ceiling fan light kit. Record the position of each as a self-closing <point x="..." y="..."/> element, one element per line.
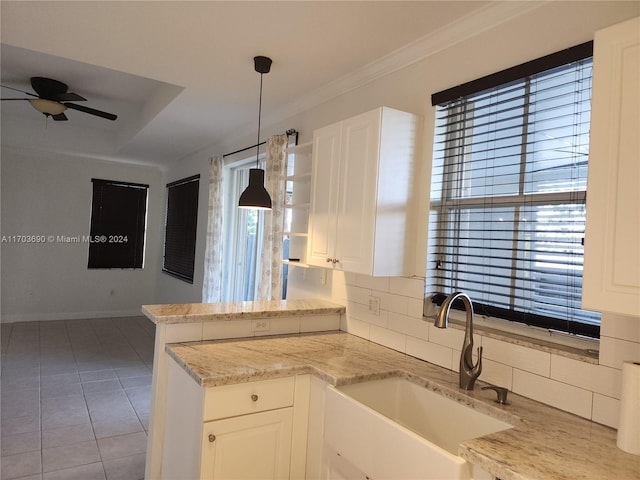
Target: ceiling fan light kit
<point x="52" y="98"/>
<point x="48" y="107"/>
<point x="255" y="196"/>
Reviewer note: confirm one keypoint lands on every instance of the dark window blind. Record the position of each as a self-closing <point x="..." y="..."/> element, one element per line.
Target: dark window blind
<point x="508" y="199"/>
<point x="180" y="228"/>
<point x="118" y="218"/>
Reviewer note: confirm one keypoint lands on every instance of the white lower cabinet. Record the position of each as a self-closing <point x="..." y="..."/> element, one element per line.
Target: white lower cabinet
<point x="281" y="428"/>
<point x="256" y="446"/>
<point x="252" y="430"/>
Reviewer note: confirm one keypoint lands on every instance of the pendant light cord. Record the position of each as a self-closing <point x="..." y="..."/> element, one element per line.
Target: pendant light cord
<point x="259" y="116"/>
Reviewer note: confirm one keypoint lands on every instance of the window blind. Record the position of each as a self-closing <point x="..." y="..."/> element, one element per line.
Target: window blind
<point x="508" y="198"/>
<point x="118" y="219"/>
<point x="180" y="228"/>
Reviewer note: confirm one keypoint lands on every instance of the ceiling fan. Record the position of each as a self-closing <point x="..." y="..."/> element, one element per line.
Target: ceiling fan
<point x="52" y="98"/>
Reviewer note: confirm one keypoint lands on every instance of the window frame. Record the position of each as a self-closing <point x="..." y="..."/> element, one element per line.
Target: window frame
<point x="500" y="79"/>
<point x="234" y="263"/>
<point x="182" y="251"/>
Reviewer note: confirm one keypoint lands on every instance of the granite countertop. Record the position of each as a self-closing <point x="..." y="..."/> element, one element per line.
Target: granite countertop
<point x="202" y="312"/>
<point x="544" y="444"/>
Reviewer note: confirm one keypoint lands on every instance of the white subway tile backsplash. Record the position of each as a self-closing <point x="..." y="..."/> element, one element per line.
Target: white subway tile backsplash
<point x="320" y="323"/>
<point x="414" y="307"/>
<point x="613" y="352"/>
<point x="582" y="388"/>
<point x="410" y="326"/>
<point x="354" y="326"/>
<point x="597" y="378"/>
<point x="374" y="283"/>
<point x="392" y="303"/>
<point x="357" y="294"/>
<point x="362" y="313"/>
<point x="349" y="278"/>
<point x="281" y="326"/>
<point x="497" y="373"/>
<point x="226" y="329"/>
<point x="448" y="337"/>
<point x="338" y="286"/>
<point x="388" y="338"/>
<point x="430" y="352"/>
<point x="409" y="287"/>
<point x="523" y="358"/>
<point x="183" y="332"/>
<point x="557" y="394"/>
<point x="606" y="410"/>
<point x="618" y="326"/>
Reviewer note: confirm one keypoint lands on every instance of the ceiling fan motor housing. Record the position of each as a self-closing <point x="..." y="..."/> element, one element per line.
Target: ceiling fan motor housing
<point x="48" y="88"/>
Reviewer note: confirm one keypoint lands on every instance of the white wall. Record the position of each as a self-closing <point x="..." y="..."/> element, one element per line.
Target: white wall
<point x="51" y="195"/>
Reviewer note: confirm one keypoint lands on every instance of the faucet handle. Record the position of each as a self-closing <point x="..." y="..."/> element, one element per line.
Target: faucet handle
<point x="502" y="393"/>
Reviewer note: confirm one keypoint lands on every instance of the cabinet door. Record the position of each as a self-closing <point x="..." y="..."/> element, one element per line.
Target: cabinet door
<point x="324" y="196"/>
<point x="612" y="253"/>
<point x="357" y="192"/>
<point x="256" y="446"/>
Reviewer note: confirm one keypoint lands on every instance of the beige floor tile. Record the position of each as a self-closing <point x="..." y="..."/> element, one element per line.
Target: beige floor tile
<point x="20" y="443"/>
<point x="122" y="445"/>
<point x="62" y="436"/>
<point x="93" y="471"/>
<point x="125" y="468"/>
<point x="21" y="465"/>
<point x="59" y="458"/>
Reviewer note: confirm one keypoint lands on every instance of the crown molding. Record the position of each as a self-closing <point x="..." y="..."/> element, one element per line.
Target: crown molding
<point x="483" y="19"/>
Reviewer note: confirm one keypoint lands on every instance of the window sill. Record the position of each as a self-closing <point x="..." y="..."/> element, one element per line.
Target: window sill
<point x="565" y="345"/>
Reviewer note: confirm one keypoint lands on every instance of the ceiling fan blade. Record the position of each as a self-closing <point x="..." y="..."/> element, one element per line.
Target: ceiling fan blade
<point x="7" y="99"/>
<point x="70" y="97"/>
<point x="18" y="90"/>
<point x="91" y="111"/>
<point x="60" y="117"/>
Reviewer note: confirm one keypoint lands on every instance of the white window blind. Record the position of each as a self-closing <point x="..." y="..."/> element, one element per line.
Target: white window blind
<point x="508" y="198"/>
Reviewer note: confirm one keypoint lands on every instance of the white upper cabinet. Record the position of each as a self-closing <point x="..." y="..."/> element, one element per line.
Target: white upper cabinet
<point x="362" y="175"/>
<point x="612" y="242"/>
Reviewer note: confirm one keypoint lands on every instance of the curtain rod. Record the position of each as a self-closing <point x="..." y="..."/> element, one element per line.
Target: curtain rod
<point x="291" y="131"/>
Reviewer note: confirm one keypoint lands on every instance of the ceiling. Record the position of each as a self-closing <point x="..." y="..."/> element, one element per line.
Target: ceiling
<point x="180" y="75"/>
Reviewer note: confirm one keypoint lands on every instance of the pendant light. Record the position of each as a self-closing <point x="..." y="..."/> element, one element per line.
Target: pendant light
<point x="255" y="195"/>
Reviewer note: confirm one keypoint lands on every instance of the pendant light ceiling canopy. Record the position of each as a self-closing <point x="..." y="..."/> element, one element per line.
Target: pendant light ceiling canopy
<point x="255" y="195"/>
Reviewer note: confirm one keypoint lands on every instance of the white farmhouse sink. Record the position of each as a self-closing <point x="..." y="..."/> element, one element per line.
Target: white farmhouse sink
<point x="395" y="429"/>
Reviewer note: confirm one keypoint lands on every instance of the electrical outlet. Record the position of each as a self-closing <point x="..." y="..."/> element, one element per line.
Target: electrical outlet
<point x="261" y="325"/>
<point x="374" y="305"/>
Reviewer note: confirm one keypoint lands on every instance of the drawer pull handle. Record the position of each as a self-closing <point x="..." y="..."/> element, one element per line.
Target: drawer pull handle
<point x="254" y="397"/>
<point x="212" y="438"/>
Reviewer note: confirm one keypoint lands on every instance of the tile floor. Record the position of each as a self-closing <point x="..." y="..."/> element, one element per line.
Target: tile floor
<point x="74" y="399"/>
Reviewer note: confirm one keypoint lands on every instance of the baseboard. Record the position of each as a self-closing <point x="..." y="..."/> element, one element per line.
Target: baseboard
<point x="51" y="316"/>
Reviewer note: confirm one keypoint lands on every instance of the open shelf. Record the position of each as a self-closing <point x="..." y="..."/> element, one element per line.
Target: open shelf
<point x="296" y="212"/>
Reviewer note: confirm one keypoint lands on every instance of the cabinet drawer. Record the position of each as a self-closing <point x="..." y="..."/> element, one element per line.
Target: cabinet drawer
<point x="243" y="398"/>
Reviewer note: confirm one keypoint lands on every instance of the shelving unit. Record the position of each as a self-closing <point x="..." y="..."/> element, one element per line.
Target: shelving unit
<point x="296" y="215"/>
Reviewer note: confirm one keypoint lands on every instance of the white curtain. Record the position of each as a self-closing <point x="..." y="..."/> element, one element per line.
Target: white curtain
<point x="212" y="283"/>
<point x="270" y="283"/>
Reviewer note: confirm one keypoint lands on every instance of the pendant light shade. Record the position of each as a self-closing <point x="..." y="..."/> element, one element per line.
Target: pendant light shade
<point x="255" y="195"/>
